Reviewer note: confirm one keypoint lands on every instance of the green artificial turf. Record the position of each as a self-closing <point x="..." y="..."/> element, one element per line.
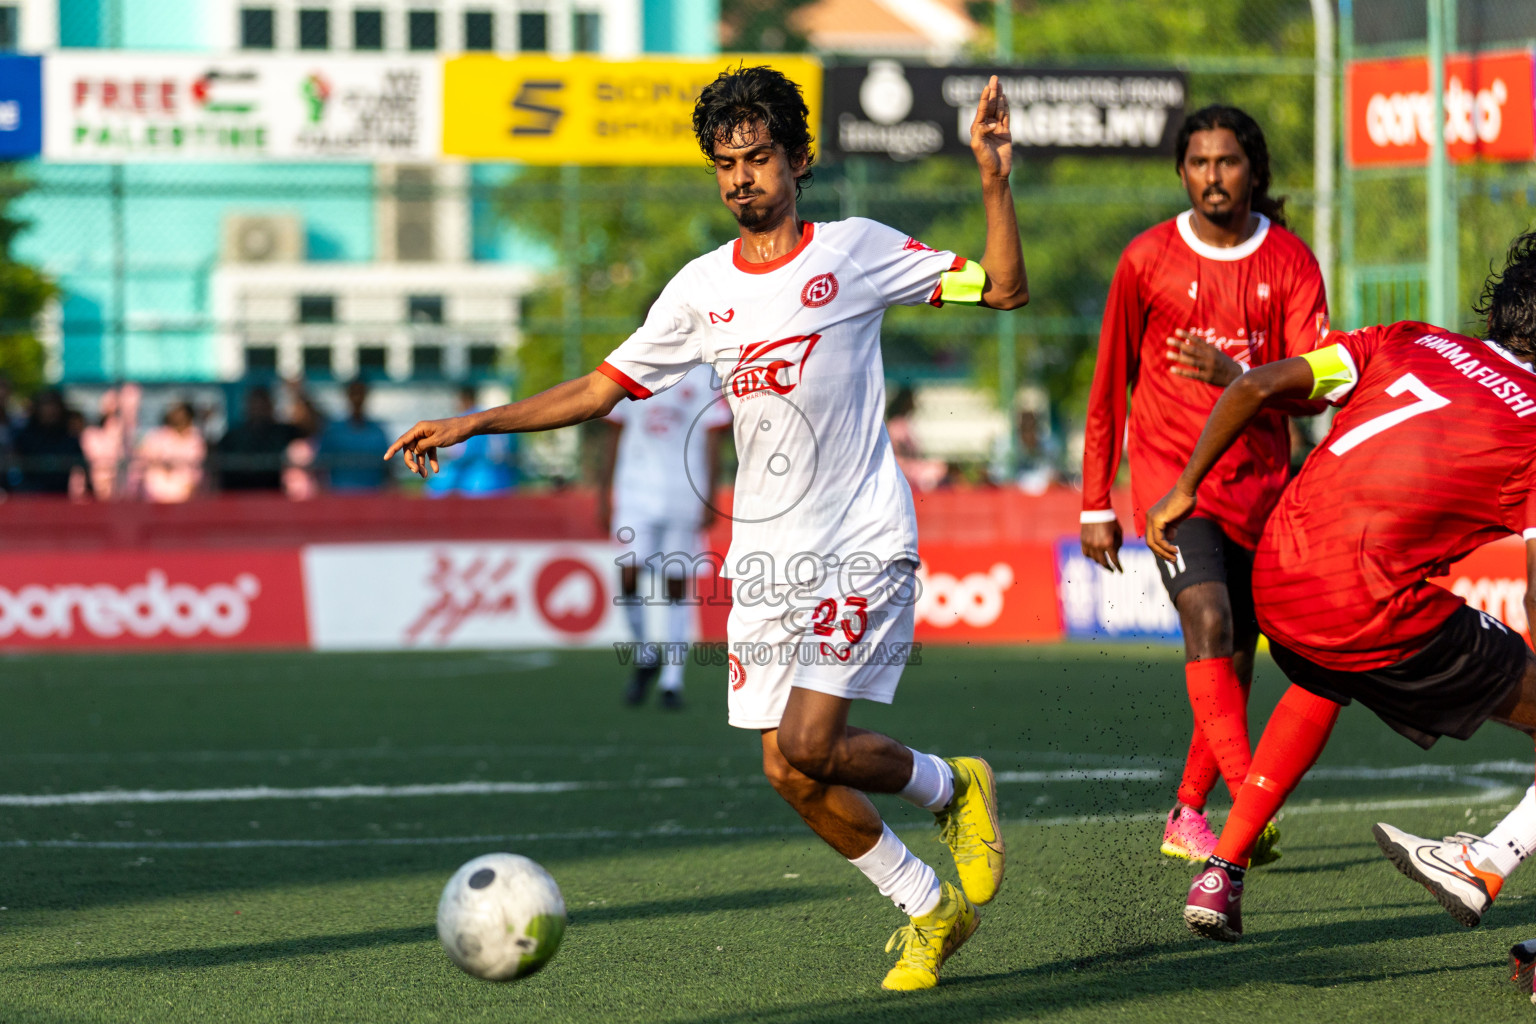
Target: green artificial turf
<point x="694" y="893"/>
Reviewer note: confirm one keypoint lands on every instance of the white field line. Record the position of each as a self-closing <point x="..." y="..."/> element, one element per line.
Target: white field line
<point x="663" y="832"/>
<point x="1464" y="774"/>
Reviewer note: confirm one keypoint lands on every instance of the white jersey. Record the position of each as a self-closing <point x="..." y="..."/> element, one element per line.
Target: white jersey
<point x="660" y="473"/>
<point x="797" y="343"/>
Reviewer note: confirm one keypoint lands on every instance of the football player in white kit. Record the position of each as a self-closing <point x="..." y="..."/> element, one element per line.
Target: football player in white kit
<point x="671" y="439"/>
<point x="824" y="539"/>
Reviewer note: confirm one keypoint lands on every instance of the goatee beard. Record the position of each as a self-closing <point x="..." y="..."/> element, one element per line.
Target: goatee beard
<point x="752" y="216"/>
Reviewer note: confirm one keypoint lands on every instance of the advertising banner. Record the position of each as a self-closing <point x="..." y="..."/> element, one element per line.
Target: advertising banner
<point x="906" y="111"/>
<point x="218" y="598"/>
<point x="474" y="595"/>
<point x="974" y="593"/>
<point x="21" y="106"/>
<point x="107" y="106"/>
<point x="585" y="110"/>
<point x="1489" y="109"/>
<point x="1097" y="604"/>
<point x="1492" y="579"/>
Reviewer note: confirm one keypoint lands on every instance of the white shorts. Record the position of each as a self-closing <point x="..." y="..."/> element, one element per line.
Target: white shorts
<point x="670" y="546"/>
<point x="847" y="645"/>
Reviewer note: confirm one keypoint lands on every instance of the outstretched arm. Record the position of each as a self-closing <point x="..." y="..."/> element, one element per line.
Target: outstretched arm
<point x="575" y="401"/>
<point x="1235" y="409"/>
<point x="1003" y="258"/>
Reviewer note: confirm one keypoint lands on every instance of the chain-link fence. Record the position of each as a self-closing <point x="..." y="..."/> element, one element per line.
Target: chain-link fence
<point x="509" y="278"/>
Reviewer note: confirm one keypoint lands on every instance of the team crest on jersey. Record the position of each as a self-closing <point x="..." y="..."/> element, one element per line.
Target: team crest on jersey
<point x="819" y="291"/>
<point x="738" y="674"/>
<point x="776" y="366"/>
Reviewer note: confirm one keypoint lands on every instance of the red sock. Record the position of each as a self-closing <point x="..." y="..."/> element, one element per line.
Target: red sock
<point x="1295" y="735"/>
<point x="1200" y="772"/>
<point x="1220" y="705"/>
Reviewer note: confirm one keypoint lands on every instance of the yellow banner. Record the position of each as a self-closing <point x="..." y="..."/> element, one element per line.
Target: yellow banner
<point x="590" y="111"/>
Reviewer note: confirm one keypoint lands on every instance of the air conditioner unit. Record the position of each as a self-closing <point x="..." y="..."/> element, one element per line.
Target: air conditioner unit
<point x="263" y="238"/>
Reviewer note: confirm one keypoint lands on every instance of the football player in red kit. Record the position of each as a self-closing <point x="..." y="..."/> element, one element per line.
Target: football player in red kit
<point x="1195" y="301"/>
<point x="1432" y="455"/>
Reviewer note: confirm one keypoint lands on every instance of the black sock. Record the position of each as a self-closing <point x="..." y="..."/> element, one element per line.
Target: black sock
<point x="1233" y="871"/>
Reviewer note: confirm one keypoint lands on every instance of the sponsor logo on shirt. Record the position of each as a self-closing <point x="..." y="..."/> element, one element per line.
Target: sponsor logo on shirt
<point x="913" y="245"/>
<point x="776" y="366"/>
<point x="722" y="318"/>
<point x="819" y="291"/>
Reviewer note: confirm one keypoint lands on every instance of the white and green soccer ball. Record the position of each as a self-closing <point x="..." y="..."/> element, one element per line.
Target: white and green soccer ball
<point x="501" y="917"/>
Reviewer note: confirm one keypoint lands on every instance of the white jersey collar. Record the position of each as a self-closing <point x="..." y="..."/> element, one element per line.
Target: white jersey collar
<point x="1507" y="354"/>
<point x="1216" y="252"/>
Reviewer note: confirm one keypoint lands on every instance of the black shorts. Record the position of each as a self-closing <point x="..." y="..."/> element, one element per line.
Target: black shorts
<point x="1208" y="555"/>
<point x="1449" y="688"/>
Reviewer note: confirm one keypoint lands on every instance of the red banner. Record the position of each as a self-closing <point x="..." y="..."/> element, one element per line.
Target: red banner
<point x="987" y="593"/>
<point x="1489" y="109"/>
<point x="152" y="599"/>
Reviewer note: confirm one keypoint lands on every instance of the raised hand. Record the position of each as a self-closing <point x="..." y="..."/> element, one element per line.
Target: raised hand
<point x="421" y="442"/>
<point x="991" y="140"/>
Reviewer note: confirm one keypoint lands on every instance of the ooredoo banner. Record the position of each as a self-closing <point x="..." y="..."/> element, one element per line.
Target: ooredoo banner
<point x="475" y="595"/>
<point x="152" y="599"/>
<point x="1489" y="109"/>
<point x="973" y="593"/>
<point x="1492" y="579"/>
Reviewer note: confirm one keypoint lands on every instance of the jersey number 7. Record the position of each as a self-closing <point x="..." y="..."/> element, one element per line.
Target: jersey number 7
<point x="1427" y="401"/>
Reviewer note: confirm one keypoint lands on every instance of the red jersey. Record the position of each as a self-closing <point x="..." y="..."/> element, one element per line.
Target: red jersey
<point x="1258" y="302"/>
<point x="1430" y="457"/>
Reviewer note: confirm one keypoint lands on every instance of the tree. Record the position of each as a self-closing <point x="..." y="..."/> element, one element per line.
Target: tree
<point x="24" y="292"/>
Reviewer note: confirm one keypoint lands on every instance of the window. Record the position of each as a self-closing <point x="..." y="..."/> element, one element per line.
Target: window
<point x="256" y="28"/>
<point x="317" y="309"/>
<point x="425" y="309"/>
<point x="482" y="360"/>
<point x="371" y="362"/>
<point x="260" y="359"/>
<point x="423" y="30"/>
<point x="479" y="30"/>
<point x="427" y="360"/>
<point x="367" y="29"/>
<point x="10" y="27"/>
<point x="317" y="361"/>
<point x="586" y="31"/>
<point x="314" y="29"/>
<point x="532" y="32"/>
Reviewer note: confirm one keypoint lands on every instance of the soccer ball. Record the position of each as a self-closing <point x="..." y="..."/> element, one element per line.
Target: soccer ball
<point x="501" y="917"/>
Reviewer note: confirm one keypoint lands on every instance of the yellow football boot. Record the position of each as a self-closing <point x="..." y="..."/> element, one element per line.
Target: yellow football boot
<point x="968" y="826"/>
<point x="930" y="940"/>
<point x="1266" y="849"/>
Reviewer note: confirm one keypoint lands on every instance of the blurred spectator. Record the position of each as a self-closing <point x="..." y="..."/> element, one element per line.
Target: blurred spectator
<point x="480" y="467"/>
<point x="352" y="450"/>
<point x="107" y="443"/>
<point x="300" y="480"/>
<point x="168" y="463"/>
<point x="923" y="474"/>
<point x="250" y="454"/>
<point x="48" y="456"/>
<point x="1037" y="458"/>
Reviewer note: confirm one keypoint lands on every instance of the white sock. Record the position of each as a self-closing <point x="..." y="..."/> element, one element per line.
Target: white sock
<point x="634" y="614"/>
<point x="909" y="883"/>
<point x="679" y="621"/>
<point x="1513" y="839"/>
<point x="932" y="785"/>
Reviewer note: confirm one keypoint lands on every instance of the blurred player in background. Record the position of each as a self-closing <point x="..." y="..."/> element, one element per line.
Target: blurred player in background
<point x="1194" y="302"/>
<point x="660" y="465"/>
<point x="1431" y="456"/>
<point x="824" y="539"/>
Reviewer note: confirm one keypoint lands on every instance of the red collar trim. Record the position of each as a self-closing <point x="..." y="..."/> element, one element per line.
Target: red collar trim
<point x="773" y="264"/>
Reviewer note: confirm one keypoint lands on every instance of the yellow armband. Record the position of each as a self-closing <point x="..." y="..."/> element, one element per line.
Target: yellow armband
<point x="1333" y="372"/>
<point x="964" y="285"/>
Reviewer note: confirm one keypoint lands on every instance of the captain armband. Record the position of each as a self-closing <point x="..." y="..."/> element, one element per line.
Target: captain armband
<point x="1333" y="372"/>
<point x="963" y="285"/>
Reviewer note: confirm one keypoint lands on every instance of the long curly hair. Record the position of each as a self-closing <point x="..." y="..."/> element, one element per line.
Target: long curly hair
<point x="742" y="96"/>
<point x="1508" y="302"/>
